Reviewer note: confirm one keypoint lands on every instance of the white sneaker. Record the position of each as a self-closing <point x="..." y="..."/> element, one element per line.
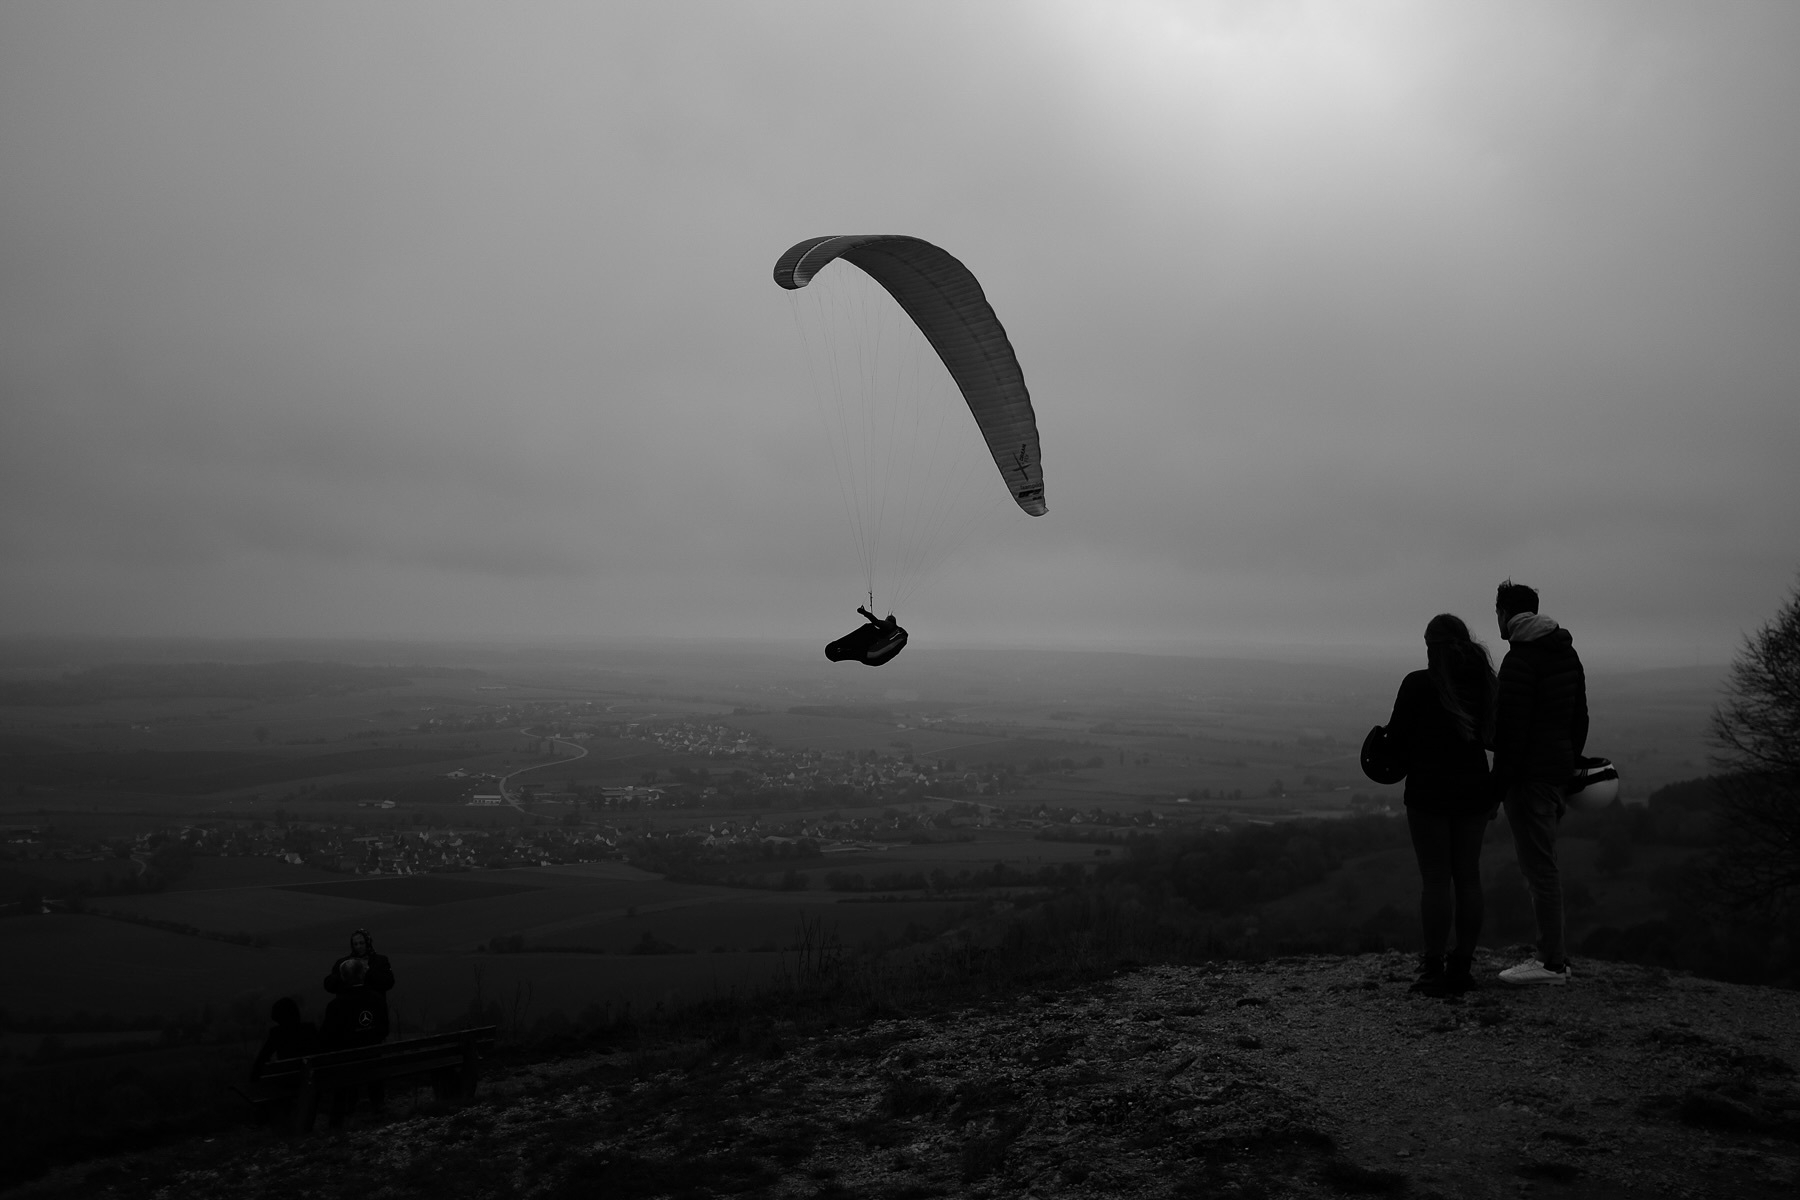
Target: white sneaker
<point x="1534" y="971"/>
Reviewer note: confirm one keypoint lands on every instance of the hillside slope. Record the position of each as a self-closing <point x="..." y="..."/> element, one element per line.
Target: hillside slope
<point x="1300" y="1077"/>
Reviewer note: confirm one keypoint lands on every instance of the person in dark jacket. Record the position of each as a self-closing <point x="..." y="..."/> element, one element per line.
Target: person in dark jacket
<point x="376" y="981"/>
<point x="1442" y="723"/>
<point x="290" y="1038"/>
<point x="379" y="971"/>
<point x="1540" y="730"/>
<point x="356" y="1016"/>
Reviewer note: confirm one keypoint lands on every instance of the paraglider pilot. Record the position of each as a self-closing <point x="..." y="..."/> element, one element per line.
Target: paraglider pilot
<point x="871" y="645"/>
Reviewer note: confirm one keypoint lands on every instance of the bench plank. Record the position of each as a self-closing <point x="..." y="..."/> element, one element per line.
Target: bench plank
<point x="452" y="1060"/>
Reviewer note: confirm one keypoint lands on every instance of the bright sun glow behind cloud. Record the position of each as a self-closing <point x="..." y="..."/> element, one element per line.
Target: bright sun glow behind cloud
<point x="448" y="318"/>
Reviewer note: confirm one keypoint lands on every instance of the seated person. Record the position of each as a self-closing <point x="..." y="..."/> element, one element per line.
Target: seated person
<point x="291" y="1037"/>
<point x="871" y="645"/>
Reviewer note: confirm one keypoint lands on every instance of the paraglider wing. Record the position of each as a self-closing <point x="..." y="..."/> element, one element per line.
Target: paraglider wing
<point x="946" y="302"/>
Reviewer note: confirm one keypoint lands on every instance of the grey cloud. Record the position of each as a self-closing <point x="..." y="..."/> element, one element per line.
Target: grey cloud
<point x="446" y="315"/>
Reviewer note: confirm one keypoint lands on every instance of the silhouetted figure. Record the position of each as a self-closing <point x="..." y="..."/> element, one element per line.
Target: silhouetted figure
<point x="1540" y="730"/>
<point x="356" y="1016"/>
<point x="380" y="970"/>
<point x="871" y="645"/>
<point x="290" y="1038"/>
<point x="1442" y="724"/>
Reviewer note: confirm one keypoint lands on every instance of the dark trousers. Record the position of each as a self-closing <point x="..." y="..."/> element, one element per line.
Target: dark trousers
<point x="1448" y="847"/>
<point x="1534" y="810"/>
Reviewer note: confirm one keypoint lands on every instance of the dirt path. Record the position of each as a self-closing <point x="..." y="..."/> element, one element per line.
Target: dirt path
<point x="1304" y="1077"/>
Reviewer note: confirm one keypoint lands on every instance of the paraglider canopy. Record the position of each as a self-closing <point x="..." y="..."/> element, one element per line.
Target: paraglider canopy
<point x="946" y="302"/>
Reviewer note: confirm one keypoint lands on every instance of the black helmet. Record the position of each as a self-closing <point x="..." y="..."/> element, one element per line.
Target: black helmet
<point x="1381" y="759"/>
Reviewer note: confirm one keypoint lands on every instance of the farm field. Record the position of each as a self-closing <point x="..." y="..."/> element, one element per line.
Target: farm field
<point x="432" y="927"/>
<point x="113" y="967"/>
<point x="102" y="966"/>
<point x="414" y="913"/>
<point x="116" y="969"/>
<point x="457" y="913"/>
<point x="15" y="876"/>
<point x="1160" y="726"/>
<point x="271" y="737"/>
<point x="20" y="1044"/>
<point x="260" y="911"/>
<point x="212" y="872"/>
<point x="1013" y="849"/>
<point x="762" y="921"/>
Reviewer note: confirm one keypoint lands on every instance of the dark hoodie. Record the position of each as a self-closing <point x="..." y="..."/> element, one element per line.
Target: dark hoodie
<point x="1445" y="771"/>
<point x="376" y="985"/>
<point x="1541" y="716"/>
<point x="290" y="1038"/>
<point x="356" y="1016"/>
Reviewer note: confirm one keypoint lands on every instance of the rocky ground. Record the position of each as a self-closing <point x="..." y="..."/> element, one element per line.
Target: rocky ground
<point x="1300" y="1077"/>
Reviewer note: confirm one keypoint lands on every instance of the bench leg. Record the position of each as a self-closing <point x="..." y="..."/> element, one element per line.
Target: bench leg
<point x="471" y="1070"/>
<point x="305" y="1109"/>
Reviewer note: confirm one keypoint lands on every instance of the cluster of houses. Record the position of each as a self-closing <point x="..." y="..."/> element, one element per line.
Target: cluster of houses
<point x="417" y="850"/>
<point x="702" y="741"/>
<point x="347" y="848"/>
<point x="45" y="843"/>
<point x="501" y="717"/>
<point x="920" y="797"/>
<point x="837" y="834"/>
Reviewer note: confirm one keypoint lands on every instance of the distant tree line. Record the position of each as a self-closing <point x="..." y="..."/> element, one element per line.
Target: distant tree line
<point x="1732" y="912"/>
<point x="1229" y="871"/>
<point x="237" y="681"/>
<point x="1197" y="895"/>
<point x="1756" y="732"/>
<point x="691" y="860"/>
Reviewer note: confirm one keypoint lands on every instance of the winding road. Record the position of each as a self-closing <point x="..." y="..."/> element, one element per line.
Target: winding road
<point x="580" y="753"/>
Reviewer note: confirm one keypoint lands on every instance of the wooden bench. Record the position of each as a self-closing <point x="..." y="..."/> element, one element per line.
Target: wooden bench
<point x="292" y="1087"/>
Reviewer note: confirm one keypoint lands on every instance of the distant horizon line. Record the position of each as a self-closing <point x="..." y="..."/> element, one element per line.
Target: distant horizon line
<point x="1641" y="657"/>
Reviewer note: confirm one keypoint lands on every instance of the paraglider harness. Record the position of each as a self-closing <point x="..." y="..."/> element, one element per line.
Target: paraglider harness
<point x="871" y="645"/>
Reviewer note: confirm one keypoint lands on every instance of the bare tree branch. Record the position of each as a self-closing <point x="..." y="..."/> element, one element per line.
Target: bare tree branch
<point x="1756" y="731"/>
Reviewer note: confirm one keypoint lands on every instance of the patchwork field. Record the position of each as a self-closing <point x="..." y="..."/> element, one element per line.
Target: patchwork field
<point x="433" y="927"/>
<point x="763" y="922"/>
<point x="92" y="964"/>
<point x="261" y="911"/>
<point x="114" y="763"/>
<point x="415" y="891"/>
<point x="109" y="967"/>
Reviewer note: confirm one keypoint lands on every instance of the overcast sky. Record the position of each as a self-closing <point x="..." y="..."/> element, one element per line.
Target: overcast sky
<point x="457" y="320"/>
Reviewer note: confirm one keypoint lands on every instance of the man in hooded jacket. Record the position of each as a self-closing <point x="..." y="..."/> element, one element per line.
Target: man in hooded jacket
<point x="356" y="1016"/>
<point x="379" y="979"/>
<point x="1540" y="730"/>
<point x="361" y="989"/>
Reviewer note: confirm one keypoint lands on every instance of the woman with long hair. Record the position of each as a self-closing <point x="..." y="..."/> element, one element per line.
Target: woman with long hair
<point x="1443" y="724"/>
